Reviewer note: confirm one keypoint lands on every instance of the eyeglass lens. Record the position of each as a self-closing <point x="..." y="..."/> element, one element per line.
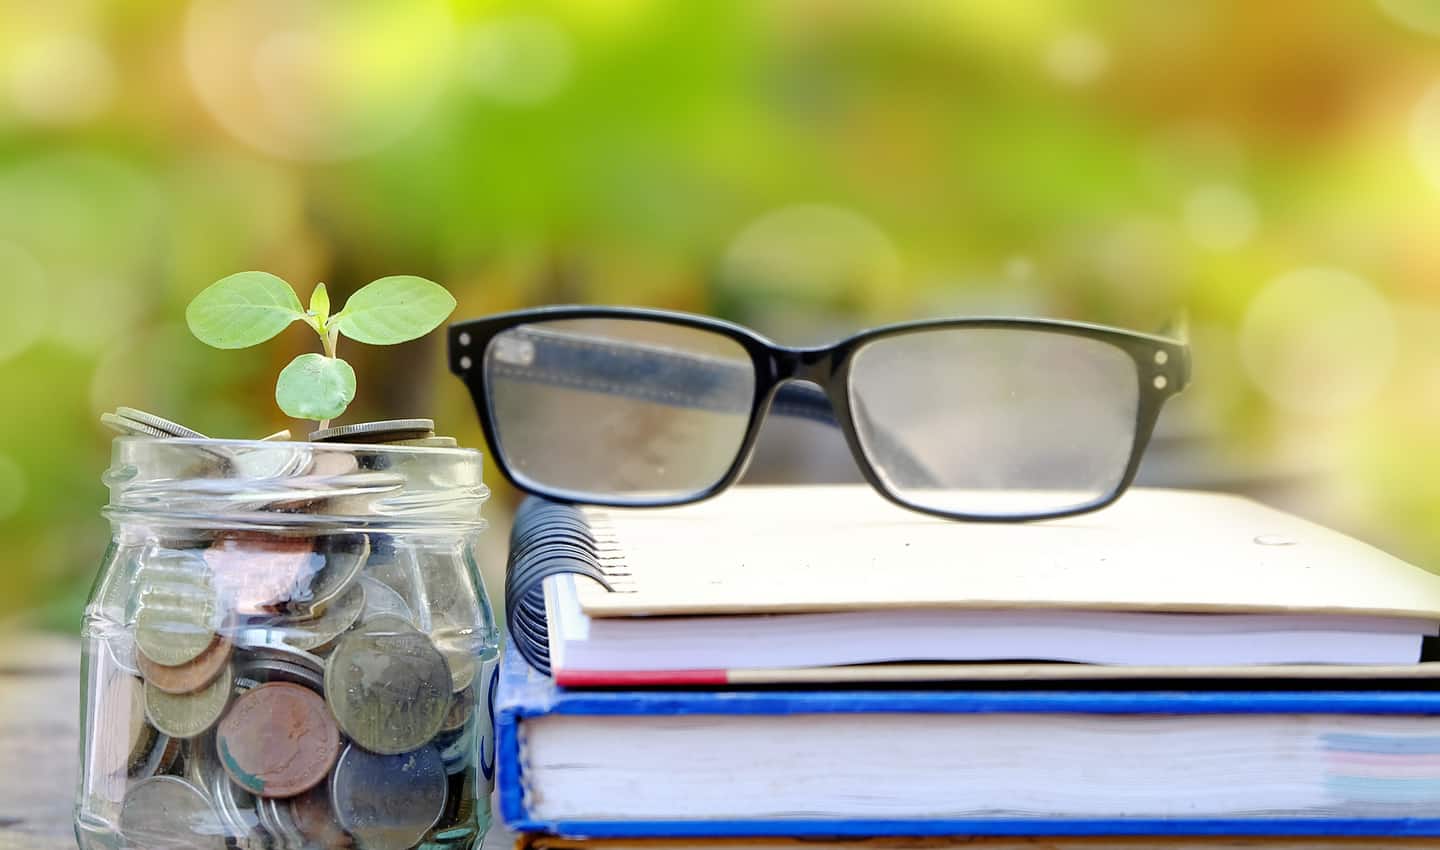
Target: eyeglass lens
<point x="618" y="409"/>
<point x="995" y="422"/>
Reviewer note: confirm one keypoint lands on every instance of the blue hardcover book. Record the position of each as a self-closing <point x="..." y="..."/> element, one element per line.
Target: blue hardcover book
<point x="944" y="762"/>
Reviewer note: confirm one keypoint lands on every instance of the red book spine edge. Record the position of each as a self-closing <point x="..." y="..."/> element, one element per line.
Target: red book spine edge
<point x="638" y="678"/>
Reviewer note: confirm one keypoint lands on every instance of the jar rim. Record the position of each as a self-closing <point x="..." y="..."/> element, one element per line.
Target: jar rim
<point x="203" y="442"/>
<point x="275" y="484"/>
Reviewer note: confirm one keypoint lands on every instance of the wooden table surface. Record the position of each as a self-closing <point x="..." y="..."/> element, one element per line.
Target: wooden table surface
<point x="39" y="740"/>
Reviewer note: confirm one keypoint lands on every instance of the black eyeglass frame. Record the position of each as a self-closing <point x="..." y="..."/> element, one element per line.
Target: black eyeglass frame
<point x="1162" y="368"/>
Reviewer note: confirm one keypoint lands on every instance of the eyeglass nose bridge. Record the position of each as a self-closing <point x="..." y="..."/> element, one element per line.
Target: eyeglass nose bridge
<point x="802" y="364"/>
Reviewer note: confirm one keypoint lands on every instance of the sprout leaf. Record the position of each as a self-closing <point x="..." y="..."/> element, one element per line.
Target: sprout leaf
<point x="320" y="306"/>
<point x="242" y="310"/>
<point x="394" y="309"/>
<point x="316" y="387"/>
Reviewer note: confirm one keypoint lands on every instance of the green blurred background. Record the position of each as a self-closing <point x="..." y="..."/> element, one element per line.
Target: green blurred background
<point x="808" y="167"/>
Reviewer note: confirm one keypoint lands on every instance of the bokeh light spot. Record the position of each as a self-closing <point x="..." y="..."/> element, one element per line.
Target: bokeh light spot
<point x="1077" y="58"/>
<point x="63" y="80"/>
<point x="1221" y="217"/>
<point x="12" y="487"/>
<point x="26" y="299"/>
<point x="1319" y="341"/>
<point x="519" y="60"/>
<point x="319" y="79"/>
<point x="812" y="250"/>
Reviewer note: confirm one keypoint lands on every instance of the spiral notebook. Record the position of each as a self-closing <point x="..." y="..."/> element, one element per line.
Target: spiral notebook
<point x="751" y="588"/>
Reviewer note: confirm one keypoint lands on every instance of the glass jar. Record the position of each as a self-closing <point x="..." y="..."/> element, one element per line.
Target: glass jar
<point x="288" y="645"/>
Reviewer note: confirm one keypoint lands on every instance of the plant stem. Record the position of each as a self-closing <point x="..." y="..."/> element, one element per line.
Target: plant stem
<point x="331" y="340"/>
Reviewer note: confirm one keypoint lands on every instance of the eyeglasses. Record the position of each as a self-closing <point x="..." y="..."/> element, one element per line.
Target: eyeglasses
<point x="978" y="419"/>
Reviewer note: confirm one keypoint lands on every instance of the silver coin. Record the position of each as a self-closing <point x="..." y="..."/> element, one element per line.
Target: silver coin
<point x="129" y="427"/>
<point x="263" y="464"/>
<point x="177" y="616"/>
<point x="234" y="807"/>
<point x="463" y="666"/>
<point x="388" y="802"/>
<point x="275" y="817"/>
<point x="159" y="423"/>
<point x="168" y="813"/>
<point x="315" y="634"/>
<point x="345" y="555"/>
<point x="279" y="671"/>
<point x="383" y="600"/>
<point x="456" y="749"/>
<point x="388" y="686"/>
<point x="187" y="715"/>
<point x="156" y="758"/>
<point x="282" y="664"/>
<point x="376" y="432"/>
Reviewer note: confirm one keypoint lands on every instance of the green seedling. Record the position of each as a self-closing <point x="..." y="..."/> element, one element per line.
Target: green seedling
<point x="249" y="308"/>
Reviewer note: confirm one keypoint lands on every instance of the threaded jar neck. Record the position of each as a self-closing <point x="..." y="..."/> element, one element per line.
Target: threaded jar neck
<point x="307" y="487"/>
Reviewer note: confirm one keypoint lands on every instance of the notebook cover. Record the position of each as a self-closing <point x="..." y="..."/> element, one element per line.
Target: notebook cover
<point x="753" y="550"/>
<point x="525" y="693"/>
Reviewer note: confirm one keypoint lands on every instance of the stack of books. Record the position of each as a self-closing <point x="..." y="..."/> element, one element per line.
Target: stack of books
<point x="1190" y="666"/>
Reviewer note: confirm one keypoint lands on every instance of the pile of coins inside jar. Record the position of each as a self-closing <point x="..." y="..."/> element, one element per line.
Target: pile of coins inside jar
<point x="294" y="686"/>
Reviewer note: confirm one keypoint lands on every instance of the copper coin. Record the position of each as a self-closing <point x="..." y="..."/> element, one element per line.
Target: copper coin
<point x="256" y="574"/>
<point x="191" y="676"/>
<point x="278" y="740"/>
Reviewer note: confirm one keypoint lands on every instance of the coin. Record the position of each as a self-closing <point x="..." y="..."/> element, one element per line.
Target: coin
<point x="354" y="494"/>
<point x="459" y="805"/>
<point x="275" y="817"/>
<point x="382" y="599"/>
<point x="376" y="432"/>
<point x="191" y="676"/>
<point x="264" y="463"/>
<point x="334" y="462"/>
<point x="159" y="757"/>
<point x="285" y="653"/>
<point x="129" y="427"/>
<point x="176" y="620"/>
<point x="188" y="715"/>
<point x="462" y="705"/>
<point x="281" y="663"/>
<point x="270" y="670"/>
<point x="388" y="802"/>
<point x="235" y="807"/>
<point x="462" y="665"/>
<point x="345" y="555"/>
<point x="168" y="813"/>
<point x="159" y="423"/>
<point x="314" y="818"/>
<point x="268" y="574"/>
<point x="388" y="686"/>
<point x="456" y="749"/>
<point x="278" y="740"/>
<point x="318" y="633"/>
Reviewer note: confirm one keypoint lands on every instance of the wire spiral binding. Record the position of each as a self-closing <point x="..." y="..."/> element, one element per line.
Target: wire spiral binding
<point x="548" y="538"/>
